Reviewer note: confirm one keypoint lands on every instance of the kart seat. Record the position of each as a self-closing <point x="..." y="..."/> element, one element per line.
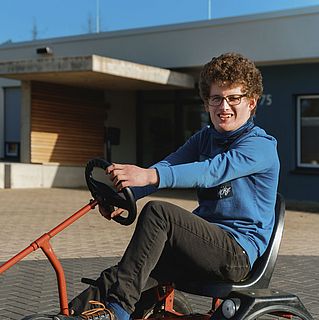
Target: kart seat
<point x="260" y="275"/>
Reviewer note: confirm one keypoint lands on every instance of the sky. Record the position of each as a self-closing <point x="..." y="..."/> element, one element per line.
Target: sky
<point x="22" y="20"/>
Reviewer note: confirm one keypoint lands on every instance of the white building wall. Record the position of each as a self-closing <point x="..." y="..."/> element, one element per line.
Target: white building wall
<point x="22" y="175"/>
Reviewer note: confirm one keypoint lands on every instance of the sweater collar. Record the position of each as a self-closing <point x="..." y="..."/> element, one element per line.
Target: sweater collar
<point x="224" y="139"/>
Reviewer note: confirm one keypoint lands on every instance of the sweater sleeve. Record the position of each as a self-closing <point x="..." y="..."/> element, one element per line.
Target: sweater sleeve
<point x="252" y="155"/>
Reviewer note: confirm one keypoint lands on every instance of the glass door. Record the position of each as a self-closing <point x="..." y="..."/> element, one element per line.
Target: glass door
<point x="156" y="132"/>
<point x="165" y="121"/>
<point x="193" y="119"/>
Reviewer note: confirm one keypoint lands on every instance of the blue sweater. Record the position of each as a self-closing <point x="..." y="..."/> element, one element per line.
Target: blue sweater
<point x="236" y="174"/>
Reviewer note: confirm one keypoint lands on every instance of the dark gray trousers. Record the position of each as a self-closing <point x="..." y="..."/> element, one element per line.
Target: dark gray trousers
<point x="169" y="244"/>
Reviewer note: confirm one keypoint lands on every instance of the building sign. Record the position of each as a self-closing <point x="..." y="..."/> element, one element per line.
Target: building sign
<point x="266" y="100"/>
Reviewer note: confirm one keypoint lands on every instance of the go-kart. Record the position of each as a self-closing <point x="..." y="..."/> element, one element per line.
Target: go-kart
<point x="249" y="299"/>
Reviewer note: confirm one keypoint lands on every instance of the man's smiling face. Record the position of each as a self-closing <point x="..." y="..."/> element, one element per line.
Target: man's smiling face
<point x="231" y="114"/>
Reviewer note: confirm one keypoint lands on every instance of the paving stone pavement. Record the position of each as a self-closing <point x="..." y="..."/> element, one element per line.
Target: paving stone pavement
<point x="93" y="243"/>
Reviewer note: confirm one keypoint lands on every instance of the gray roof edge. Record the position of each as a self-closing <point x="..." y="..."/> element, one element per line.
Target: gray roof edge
<point x="49" y="64"/>
<point x="141" y="72"/>
<point x="310" y="10"/>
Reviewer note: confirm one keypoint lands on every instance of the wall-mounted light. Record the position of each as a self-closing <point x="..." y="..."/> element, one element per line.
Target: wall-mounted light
<point x="45" y="51"/>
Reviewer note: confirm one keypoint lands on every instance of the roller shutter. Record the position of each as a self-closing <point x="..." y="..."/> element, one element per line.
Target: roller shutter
<point x="67" y="124"/>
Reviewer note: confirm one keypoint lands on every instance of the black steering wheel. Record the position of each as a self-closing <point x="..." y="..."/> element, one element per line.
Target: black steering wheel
<point x="107" y="197"/>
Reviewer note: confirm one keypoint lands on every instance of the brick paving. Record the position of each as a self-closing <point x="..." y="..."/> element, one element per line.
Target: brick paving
<point x="93" y="243"/>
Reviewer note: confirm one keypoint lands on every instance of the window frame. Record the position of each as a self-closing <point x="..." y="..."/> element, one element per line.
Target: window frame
<point x="298" y="122"/>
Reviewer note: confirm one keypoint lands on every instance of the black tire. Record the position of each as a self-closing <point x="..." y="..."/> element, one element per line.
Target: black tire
<point x="39" y="317"/>
<point x="267" y="316"/>
<point x="148" y="307"/>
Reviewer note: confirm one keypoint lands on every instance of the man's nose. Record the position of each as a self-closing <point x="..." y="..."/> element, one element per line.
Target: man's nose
<point x="224" y="105"/>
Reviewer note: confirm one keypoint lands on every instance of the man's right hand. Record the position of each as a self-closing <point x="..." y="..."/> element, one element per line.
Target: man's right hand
<point x="128" y="175"/>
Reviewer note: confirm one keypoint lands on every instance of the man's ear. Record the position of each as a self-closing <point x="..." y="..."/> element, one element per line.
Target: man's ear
<point x="206" y="106"/>
<point x="252" y="103"/>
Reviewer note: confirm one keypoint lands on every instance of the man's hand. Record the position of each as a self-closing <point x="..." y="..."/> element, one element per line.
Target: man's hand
<point x="110" y="215"/>
<point x="127" y="175"/>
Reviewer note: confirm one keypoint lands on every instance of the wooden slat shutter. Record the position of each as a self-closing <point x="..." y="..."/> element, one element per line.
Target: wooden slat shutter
<point x="67" y="124"/>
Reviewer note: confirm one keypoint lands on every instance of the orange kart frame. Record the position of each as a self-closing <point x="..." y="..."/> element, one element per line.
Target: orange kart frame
<point x="43" y="243"/>
<point x="247" y="300"/>
<point x="294" y="306"/>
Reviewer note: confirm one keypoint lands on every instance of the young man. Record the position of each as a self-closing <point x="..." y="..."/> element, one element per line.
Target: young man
<point x="233" y="164"/>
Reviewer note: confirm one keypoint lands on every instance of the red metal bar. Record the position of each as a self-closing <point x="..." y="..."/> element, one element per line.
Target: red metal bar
<point x="216" y="303"/>
<point x="73" y="218"/>
<point x="56" y="264"/>
<point x="169" y="302"/>
<point x="44" y="243"/>
<point x="37" y="243"/>
<point x="17" y="258"/>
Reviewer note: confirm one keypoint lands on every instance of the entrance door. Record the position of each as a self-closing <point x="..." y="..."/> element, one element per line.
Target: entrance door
<point x="165" y="121"/>
<point x="156" y="133"/>
<point x="193" y="118"/>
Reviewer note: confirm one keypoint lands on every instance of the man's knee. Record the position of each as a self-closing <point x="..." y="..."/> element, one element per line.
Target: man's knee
<point x="155" y="210"/>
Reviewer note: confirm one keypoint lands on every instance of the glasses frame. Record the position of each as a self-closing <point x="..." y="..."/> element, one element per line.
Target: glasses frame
<point x="226" y="98"/>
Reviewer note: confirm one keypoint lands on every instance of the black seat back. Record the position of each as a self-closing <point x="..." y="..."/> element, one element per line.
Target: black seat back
<point x="263" y="268"/>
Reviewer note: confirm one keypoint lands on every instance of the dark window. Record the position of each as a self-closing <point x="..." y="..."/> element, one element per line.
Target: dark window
<point x="166" y="119"/>
<point x="12" y="107"/>
<point x="157" y="132"/>
<point x="308" y="131"/>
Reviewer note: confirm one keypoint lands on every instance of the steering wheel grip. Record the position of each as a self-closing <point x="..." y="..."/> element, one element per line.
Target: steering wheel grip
<point x="106" y="196"/>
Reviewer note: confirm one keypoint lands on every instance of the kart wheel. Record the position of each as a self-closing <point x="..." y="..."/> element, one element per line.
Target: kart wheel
<point x="268" y="312"/>
<point x="39" y="317"/>
<point x="274" y="317"/>
<point x="149" y="308"/>
<point x="266" y="316"/>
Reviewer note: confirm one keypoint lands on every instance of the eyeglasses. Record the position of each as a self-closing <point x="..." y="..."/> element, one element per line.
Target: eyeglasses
<point x="232" y="100"/>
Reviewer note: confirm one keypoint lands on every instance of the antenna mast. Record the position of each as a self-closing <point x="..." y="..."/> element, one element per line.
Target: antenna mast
<point x="97" y="16"/>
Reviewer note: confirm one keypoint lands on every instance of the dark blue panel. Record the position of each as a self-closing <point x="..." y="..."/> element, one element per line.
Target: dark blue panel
<point x="283" y="84"/>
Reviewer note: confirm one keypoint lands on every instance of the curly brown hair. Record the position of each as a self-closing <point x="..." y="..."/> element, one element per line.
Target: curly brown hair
<point x="231" y="69"/>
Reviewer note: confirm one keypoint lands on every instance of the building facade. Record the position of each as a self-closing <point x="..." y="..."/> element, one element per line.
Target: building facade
<point x="131" y="96"/>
